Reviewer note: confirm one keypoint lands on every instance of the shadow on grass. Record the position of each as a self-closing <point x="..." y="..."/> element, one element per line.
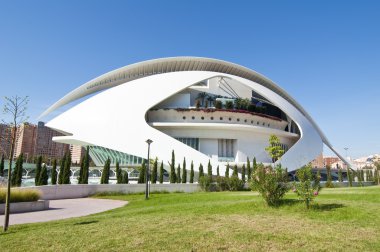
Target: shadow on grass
<point x="86" y="222"/>
<point x="326" y="207"/>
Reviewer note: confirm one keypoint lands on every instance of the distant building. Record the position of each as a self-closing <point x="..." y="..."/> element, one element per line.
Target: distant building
<point x="25" y="141"/>
<point x="77" y="153"/>
<point x="5" y="135"/>
<point x="329" y="161"/>
<point x="318" y="162"/>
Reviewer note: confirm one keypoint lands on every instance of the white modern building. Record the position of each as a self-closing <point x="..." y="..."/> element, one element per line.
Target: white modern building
<point x="203" y="109"/>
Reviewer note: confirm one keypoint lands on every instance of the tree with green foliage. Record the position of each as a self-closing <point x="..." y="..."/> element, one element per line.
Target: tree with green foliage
<point x="249" y="171"/>
<point x="162" y="173"/>
<point x="86" y="167"/>
<point x="54" y="172"/>
<point x="2" y="166"/>
<point x="141" y="179"/>
<point x="67" y="170"/>
<point x="350" y="176"/>
<point x="61" y="169"/>
<point x="106" y="172"/>
<point x="340" y="175"/>
<point x="119" y="173"/>
<point x="217" y="171"/>
<point x="153" y="178"/>
<point x="179" y="174"/>
<point x="376" y="176"/>
<point x="17" y="172"/>
<point x="360" y="177"/>
<point x="184" y="172"/>
<point x="235" y="171"/>
<point x="44" y="177"/>
<point x="201" y="173"/>
<point x="329" y="183"/>
<point x="80" y="177"/>
<point x="227" y="173"/>
<point x="192" y="172"/>
<point x="38" y="170"/>
<point x="125" y="179"/>
<point x="275" y="149"/>
<point x="308" y="186"/>
<point x="172" y="177"/>
<point x="209" y="170"/>
<point x="243" y="173"/>
<point x="254" y="165"/>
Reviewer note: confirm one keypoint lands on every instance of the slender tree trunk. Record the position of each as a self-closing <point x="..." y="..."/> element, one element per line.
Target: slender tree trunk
<point x="8" y="198"/>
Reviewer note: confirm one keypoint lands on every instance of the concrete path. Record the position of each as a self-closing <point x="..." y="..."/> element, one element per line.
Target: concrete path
<point x="64" y="209"/>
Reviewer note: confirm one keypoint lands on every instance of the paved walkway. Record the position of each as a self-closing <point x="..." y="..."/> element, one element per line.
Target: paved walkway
<point x="64" y="209"/>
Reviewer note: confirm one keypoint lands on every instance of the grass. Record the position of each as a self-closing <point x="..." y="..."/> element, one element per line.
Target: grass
<point x="20" y="195"/>
<point x="344" y="219"/>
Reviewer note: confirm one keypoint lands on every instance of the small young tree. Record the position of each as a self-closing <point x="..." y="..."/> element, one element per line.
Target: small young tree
<point x="162" y="173"/>
<point x="350" y="175"/>
<point x="192" y="172"/>
<point x="44" y="177"/>
<point x="329" y="183"/>
<point x="2" y="166"/>
<point x="217" y="172"/>
<point x="17" y="172"/>
<point x="201" y="173"/>
<point x="172" y="177"/>
<point x="178" y="174"/>
<point x="360" y="177"/>
<point x="308" y="186"/>
<point x="119" y="173"/>
<point x="141" y="179"/>
<point x="209" y="171"/>
<point x="243" y="173"/>
<point x="275" y="149"/>
<point x="81" y="168"/>
<point x="235" y="172"/>
<point x="125" y="177"/>
<point x="340" y="175"/>
<point x="184" y="172"/>
<point x="249" y="171"/>
<point x="54" y="172"/>
<point x="66" y="169"/>
<point x="153" y="178"/>
<point x="254" y="165"/>
<point x="61" y="168"/>
<point x="106" y="172"/>
<point x="38" y="171"/>
<point x="86" y="166"/>
<point x="376" y="176"/>
<point x="227" y="174"/>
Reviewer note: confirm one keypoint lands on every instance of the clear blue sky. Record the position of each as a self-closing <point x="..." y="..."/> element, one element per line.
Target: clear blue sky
<point x="326" y="54"/>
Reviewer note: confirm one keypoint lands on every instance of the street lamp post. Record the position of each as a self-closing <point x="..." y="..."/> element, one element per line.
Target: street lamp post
<point x="146" y="171"/>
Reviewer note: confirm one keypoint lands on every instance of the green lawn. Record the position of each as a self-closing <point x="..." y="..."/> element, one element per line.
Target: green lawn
<point x="345" y="219"/>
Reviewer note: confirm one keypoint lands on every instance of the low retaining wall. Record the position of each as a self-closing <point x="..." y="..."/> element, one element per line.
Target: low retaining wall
<point x="22" y="207"/>
<point x="345" y="184"/>
<point x="52" y="192"/>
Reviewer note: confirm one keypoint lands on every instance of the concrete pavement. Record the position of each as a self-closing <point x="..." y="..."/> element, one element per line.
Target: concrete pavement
<point x="64" y="209"/>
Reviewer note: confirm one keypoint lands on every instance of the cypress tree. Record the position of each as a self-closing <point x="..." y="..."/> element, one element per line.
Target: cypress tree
<point x="54" y="172"/>
<point x="16" y="177"/>
<point x="201" y="173"/>
<point x="119" y="175"/>
<point x="2" y="166"/>
<point x="329" y="180"/>
<point x="349" y="175"/>
<point x="86" y="166"/>
<point x="153" y="178"/>
<point x="106" y="172"/>
<point x="249" y="171"/>
<point x="173" y="178"/>
<point x="61" y="168"/>
<point x="227" y="174"/>
<point x="80" y="179"/>
<point x="209" y="169"/>
<point x="254" y="166"/>
<point x="178" y="174"/>
<point x="44" y="177"/>
<point x="217" y="171"/>
<point x="141" y="179"/>
<point x="340" y="175"/>
<point x="243" y="173"/>
<point x="376" y="175"/>
<point x="66" y="169"/>
<point x="125" y="177"/>
<point x="184" y="172"/>
<point x="191" y="173"/>
<point x="235" y="172"/>
<point x="38" y="170"/>
<point x="360" y="180"/>
<point x="162" y="172"/>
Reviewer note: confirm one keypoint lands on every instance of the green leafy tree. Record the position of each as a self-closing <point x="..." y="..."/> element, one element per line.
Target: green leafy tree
<point x="54" y="172"/>
<point x="227" y="174"/>
<point x="153" y="178"/>
<point x="249" y="171"/>
<point x="2" y="166"/>
<point x="201" y="173"/>
<point x="44" y="177"/>
<point x="86" y="166"/>
<point x="162" y="173"/>
<point x="17" y="172"/>
<point x="172" y="177"/>
<point x="178" y="174"/>
<point x="81" y="168"/>
<point x="192" y="172"/>
<point x="254" y="165"/>
<point x="184" y="172"/>
<point x="217" y="171"/>
<point x="235" y="172"/>
<point x="125" y="177"/>
<point x="209" y="171"/>
<point x="141" y="179"/>
<point x="38" y="171"/>
<point x="340" y="175"/>
<point x="329" y="183"/>
<point x="61" y="169"/>
<point x="119" y="173"/>
<point x="308" y="186"/>
<point x="349" y="176"/>
<point x="275" y="149"/>
<point x="106" y="172"/>
<point x="376" y="176"/>
<point x="66" y="169"/>
<point x="243" y="173"/>
<point x="360" y="177"/>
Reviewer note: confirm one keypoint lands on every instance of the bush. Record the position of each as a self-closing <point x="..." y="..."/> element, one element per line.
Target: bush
<point x="20" y="195"/>
<point x="218" y="104"/>
<point x="270" y="183"/>
<point x="229" y="105"/>
<point x="206" y="183"/>
<point x="229" y="184"/>
<point x="308" y="186"/>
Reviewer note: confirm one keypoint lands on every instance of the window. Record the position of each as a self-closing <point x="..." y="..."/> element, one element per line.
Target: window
<point x="212" y="118"/>
<point x="202" y="118"/>
<point x="184" y="118"/>
<point x="221" y="118"/>
<point x="192" y="142"/>
<point x="226" y="147"/>
<point x="193" y="117"/>
<point x="238" y="120"/>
